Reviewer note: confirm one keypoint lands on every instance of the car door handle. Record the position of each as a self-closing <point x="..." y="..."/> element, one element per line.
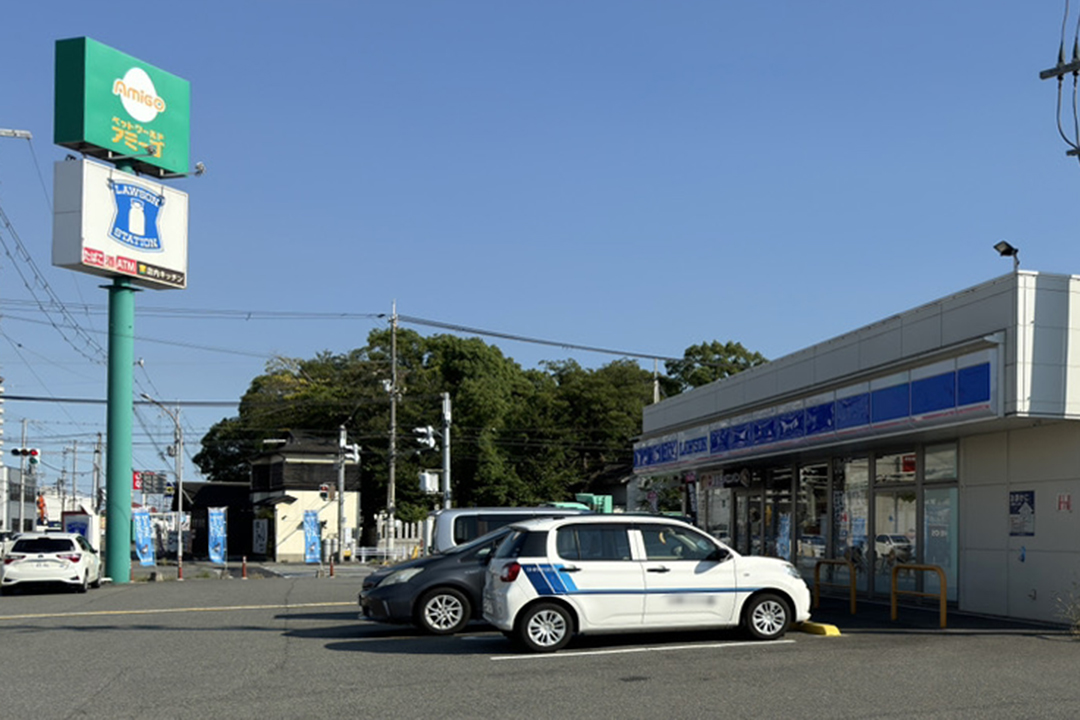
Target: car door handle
<point x="569" y="569"/>
<point x="660" y="569"/>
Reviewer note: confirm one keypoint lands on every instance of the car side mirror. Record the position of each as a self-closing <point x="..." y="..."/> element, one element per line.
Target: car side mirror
<point x="718" y="555"/>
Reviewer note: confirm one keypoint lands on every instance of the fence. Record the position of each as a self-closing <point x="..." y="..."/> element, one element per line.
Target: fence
<point x="408" y="541"/>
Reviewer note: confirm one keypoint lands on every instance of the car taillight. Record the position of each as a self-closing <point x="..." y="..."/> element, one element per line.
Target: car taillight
<point x="12" y="558"/>
<point x="74" y="557"/>
<point x="510" y="572"/>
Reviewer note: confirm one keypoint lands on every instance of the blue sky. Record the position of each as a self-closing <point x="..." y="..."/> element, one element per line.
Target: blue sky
<point x="641" y="176"/>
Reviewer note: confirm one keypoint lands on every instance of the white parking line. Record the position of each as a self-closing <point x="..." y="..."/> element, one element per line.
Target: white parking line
<point x="98" y="613"/>
<point x="664" y="648"/>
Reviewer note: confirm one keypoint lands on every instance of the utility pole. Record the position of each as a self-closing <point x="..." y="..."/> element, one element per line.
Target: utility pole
<point x="177" y="451"/>
<point x="61" y="484"/>
<point x="5" y="498"/>
<point x="74" y="474"/>
<point x="446" y="450"/>
<point x="390" y="488"/>
<point x="95" y="502"/>
<point x="655" y="381"/>
<point x="342" y="442"/>
<point x="22" y="482"/>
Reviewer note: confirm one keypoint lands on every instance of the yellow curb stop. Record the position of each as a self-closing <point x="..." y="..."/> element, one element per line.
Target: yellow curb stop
<point x="818" y="629"/>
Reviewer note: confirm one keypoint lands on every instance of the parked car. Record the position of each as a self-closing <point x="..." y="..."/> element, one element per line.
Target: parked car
<point x="51" y="559"/>
<point x="439" y="593"/>
<point x="811" y="546"/>
<point x="454" y="526"/>
<point x="553" y="578"/>
<point x="897" y="547"/>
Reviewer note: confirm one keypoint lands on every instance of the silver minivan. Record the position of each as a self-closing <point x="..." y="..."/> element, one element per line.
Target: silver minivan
<point x="455" y="526"/>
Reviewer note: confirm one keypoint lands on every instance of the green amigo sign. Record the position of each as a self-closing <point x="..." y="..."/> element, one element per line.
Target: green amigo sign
<point x="110" y="105"/>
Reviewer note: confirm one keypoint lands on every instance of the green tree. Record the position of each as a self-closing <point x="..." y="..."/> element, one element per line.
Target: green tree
<point x="706" y="363"/>
<point x="519" y="437"/>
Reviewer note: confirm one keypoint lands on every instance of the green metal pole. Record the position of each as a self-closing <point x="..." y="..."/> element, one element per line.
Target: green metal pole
<point x="118" y="450"/>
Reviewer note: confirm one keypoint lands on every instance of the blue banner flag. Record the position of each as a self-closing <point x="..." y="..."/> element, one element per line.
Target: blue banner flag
<point x="312" y="542"/>
<point x="218" y="541"/>
<point x="144" y="538"/>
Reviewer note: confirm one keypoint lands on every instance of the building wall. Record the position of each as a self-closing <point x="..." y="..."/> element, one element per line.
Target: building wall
<point x="1020" y="576"/>
<point x="969" y="315"/>
<point x="289" y="522"/>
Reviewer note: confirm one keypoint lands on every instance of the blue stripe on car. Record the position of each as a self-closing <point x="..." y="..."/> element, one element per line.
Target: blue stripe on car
<point x="547" y="580"/>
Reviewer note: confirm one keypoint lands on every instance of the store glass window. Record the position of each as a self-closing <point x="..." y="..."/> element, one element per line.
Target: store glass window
<point x="813" y="513"/>
<point x="851" y="499"/>
<point x="940" y="463"/>
<point x="895" y="468"/>
<point x="894" y="538"/>
<point x="940" y="538"/>
<point x="778" y="516"/>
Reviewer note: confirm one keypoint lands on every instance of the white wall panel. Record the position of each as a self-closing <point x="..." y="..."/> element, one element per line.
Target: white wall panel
<point x="1048" y="452"/>
<point x="990" y="505"/>
<point x="921" y="331"/>
<point x="983" y="582"/>
<point x="983" y="460"/>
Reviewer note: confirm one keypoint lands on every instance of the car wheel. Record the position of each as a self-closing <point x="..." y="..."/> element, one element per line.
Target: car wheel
<point x="81" y="587"/>
<point x="545" y="627"/>
<point x="444" y="611"/>
<point x="767" y="617"/>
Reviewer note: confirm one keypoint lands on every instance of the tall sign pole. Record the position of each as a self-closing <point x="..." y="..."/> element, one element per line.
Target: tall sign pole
<point x="109" y="221"/>
<point x="118" y="427"/>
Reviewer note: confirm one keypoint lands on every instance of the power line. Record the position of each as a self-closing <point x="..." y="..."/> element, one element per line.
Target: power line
<point x="250" y="315"/>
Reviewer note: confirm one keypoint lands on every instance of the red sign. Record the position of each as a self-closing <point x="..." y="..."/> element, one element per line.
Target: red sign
<point x="136" y="480"/>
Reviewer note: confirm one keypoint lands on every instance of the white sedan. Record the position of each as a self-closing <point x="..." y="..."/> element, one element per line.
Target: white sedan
<point x="51" y="558"/>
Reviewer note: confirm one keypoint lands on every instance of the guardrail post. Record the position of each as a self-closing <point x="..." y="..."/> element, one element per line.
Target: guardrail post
<point x="851" y="580"/>
<point x="893" y="609"/>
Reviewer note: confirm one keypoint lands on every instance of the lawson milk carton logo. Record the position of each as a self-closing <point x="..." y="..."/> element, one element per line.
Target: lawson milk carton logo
<point x="135" y="222"/>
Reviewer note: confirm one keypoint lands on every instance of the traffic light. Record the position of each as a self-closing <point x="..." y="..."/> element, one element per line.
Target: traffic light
<point x="352" y="453"/>
<point x="324" y="492"/>
<point x="32" y="455"/>
<point x="425" y="436"/>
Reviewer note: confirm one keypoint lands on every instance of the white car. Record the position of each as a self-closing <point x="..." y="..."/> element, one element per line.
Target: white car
<point x="51" y="558"/>
<point x="553" y="578"/>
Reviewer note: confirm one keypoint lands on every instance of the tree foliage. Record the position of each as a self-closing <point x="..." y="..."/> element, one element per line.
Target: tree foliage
<point x="708" y="362"/>
<point x="518" y="437"/>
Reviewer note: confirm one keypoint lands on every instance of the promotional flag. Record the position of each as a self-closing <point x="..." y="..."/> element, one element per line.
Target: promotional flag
<point x="218" y="541"/>
<point x="144" y="538"/>
<point x="312" y="543"/>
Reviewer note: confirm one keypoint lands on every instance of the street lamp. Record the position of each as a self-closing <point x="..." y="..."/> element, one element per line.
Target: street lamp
<point x="178" y="438"/>
<point x="1006" y="250"/>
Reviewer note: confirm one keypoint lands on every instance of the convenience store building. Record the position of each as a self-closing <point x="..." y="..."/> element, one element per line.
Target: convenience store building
<point x="947" y="435"/>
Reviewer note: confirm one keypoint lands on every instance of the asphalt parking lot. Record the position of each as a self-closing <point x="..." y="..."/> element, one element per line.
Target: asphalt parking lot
<point x="294" y="647"/>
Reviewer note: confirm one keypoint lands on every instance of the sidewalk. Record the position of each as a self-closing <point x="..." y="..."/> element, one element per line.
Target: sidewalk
<point x="205" y="570"/>
<point x="874" y="617"/>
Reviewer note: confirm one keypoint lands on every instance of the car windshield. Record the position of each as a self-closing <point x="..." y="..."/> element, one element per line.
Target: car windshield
<point x="491" y="537"/>
<point x="42" y="545"/>
<point x="898" y="539"/>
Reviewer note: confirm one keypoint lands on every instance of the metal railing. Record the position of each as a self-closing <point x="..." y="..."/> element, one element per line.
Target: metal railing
<point x="817" y="580"/>
<point x="923" y="568"/>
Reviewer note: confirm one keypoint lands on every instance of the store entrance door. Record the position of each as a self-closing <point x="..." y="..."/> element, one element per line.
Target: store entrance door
<point x="748" y="521"/>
